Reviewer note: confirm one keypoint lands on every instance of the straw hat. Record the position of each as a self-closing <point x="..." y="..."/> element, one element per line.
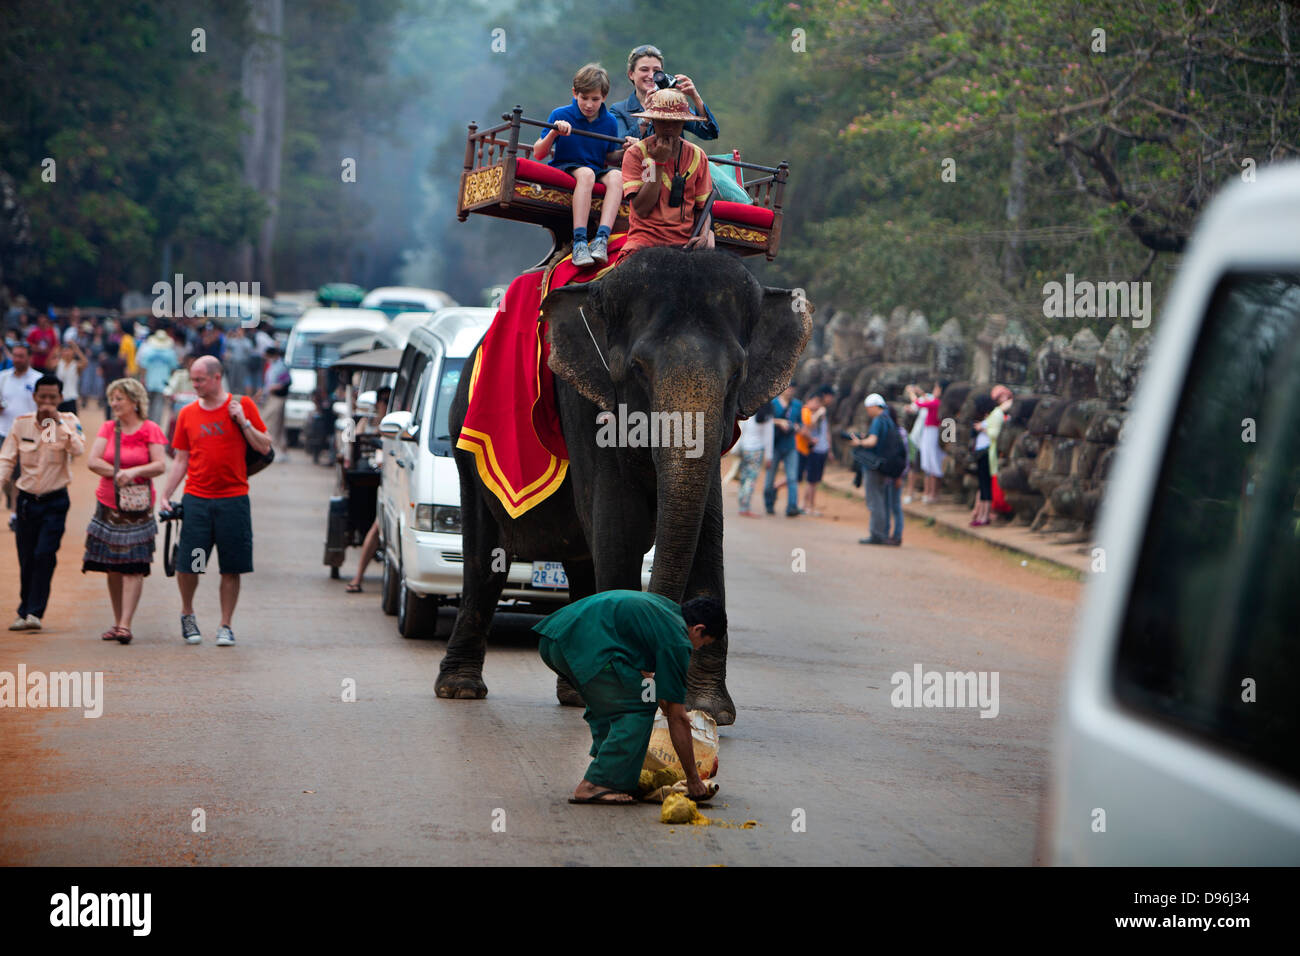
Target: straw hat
<point x="668" y="106"/>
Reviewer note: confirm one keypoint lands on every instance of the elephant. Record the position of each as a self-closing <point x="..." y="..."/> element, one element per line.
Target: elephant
<point x="667" y="330"/>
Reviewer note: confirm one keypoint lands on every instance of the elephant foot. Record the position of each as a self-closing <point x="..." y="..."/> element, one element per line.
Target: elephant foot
<point x="567" y="694"/>
<point x="460" y="685"/>
<point x="716" y="702"/>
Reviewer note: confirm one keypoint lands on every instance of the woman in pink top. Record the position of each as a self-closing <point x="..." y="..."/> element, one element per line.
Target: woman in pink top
<point x="121" y="543"/>
<point x="931" y="456"/>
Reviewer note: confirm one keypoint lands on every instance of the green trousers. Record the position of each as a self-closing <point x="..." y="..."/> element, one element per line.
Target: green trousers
<point x="619" y="719"/>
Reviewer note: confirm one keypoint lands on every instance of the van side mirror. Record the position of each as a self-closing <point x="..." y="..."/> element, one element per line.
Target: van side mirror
<point x="394" y="425"/>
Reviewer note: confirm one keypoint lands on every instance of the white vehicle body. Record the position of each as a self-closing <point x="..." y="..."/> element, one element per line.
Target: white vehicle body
<point x="419" y="493"/>
<point x="1164" y="754"/>
<point x="299" y="356"/>
<point x="232" y="308"/>
<point x="396" y="299"/>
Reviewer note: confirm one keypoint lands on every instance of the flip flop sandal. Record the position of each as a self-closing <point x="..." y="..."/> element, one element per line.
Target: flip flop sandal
<point x="598" y="798"/>
<point x="353" y="588"/>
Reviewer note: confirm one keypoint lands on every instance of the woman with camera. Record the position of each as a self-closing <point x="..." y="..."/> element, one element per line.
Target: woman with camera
<point x="127" y="455"/>
<point x="645" y="68"/>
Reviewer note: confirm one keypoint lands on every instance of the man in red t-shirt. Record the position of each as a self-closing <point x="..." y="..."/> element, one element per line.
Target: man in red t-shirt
<point x="211" y="440"/>
<point x="44" y="341"/>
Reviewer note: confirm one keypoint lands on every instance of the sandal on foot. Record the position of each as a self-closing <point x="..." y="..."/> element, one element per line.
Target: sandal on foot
<point x="599" y="798"/>
<point x="110" y="634"/>
<point x="123" y="635"/>
<point x="353" y="588"/>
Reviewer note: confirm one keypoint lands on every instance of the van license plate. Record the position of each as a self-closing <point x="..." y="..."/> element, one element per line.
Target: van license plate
<point x="549" y="574"/>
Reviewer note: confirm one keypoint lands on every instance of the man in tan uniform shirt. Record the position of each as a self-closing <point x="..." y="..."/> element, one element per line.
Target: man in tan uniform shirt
<point x="41" y="447"/>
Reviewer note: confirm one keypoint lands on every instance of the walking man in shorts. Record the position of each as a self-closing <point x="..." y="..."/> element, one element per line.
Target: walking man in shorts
<point x="211" y="441"/>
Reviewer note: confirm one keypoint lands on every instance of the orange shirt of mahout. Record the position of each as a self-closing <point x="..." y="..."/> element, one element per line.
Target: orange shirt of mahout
<point x="217" y="447"/>
<point x="666" y="225"/>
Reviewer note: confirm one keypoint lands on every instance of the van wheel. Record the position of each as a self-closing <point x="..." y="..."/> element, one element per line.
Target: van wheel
<point x="389" y="595"/>
<point x="416" y="615"/>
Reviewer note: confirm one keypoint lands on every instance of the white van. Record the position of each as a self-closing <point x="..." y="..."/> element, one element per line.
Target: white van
<point x="395" y="299"/>
<point x="1179" y="738"/>
<point x="419" y="493"/>
<point x="301" y="357"/>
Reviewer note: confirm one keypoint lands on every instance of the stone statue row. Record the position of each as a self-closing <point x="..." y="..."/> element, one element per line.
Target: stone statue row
<point x="1060" y="435"/>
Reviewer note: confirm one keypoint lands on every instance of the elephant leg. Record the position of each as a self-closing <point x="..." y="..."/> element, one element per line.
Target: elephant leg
<point x="706" y="681"/>
<point x="621" y="522"/>
<point x="460" y="676"/>
<point x="582" y="583"/>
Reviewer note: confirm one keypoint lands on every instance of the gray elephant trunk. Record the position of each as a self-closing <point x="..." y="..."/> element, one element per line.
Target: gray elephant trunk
<point x="685" y="467"/>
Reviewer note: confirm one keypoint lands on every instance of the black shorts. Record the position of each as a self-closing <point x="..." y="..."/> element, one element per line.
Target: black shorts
<point x="984" y="475"/>
<point x="226" y="523"/>
<point x="811" y="466"/>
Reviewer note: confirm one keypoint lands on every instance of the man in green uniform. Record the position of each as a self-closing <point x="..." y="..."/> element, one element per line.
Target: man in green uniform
<point x="625" y="651"/>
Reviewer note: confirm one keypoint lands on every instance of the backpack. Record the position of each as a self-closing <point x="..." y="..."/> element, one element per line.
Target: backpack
<point x="888" y="456"/>
<point x="893" y="453"/>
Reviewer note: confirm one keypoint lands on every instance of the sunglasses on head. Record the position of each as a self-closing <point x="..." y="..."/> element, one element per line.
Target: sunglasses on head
<point x="647" y="48"/>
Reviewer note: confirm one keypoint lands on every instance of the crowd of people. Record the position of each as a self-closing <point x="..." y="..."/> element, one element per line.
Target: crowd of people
<point x="788" y="442"/>
<point x="184" y="388"/>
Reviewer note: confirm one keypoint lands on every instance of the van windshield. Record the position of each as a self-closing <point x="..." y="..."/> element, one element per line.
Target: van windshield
<point x="304" y="354"/>
<point x="1213" y="605"/>
<point x="449" y="379"/>
<point x="393" y="307"/>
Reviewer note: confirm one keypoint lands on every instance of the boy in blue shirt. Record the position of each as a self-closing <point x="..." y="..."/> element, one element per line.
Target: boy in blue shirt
<point x="586" y="159"/>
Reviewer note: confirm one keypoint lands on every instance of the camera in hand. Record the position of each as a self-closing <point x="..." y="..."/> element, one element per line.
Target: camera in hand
<point x="664" y="81"/>
<point x="850" y="436"/>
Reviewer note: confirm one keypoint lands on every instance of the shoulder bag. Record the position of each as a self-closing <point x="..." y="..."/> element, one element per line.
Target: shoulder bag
<point x="254" y="460"/>
<point x="133" y="498"/>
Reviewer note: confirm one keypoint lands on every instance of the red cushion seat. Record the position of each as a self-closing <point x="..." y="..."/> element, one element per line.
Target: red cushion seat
<point x="759" y="217"/>
<point x="531" y="171"/>
<point x="528" y="170"/>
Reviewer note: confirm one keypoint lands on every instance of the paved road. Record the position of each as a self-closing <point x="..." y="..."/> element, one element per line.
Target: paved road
<point x="284" y="771"/>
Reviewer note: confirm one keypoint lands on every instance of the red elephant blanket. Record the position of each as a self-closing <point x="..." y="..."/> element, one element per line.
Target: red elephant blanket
<point x="512" y="425"/>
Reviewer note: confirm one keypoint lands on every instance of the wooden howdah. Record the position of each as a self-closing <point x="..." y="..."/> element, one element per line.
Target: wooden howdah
<point x="496" y="183"/>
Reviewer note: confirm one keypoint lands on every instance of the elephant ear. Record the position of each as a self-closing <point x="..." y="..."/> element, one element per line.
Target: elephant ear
<point x="780" y="333"/>
<point x="578" y="333"/>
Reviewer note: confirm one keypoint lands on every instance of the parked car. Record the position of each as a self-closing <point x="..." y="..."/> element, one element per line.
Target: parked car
<point x="1177" y="742"/>
<point x="393" y="300"/>
<point x="230" y="309"/>
<point x="419" y="493"/>
<point x="304" y="358"/>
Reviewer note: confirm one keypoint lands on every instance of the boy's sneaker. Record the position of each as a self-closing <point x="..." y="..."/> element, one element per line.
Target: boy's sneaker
<point x="19" y="624"/>
<point x="190" y="629"/>
<point x="34" y="622"/>
<point x="600" y="249"/>
<point x="582" y="254"/>
<point x="225" y="636"/>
